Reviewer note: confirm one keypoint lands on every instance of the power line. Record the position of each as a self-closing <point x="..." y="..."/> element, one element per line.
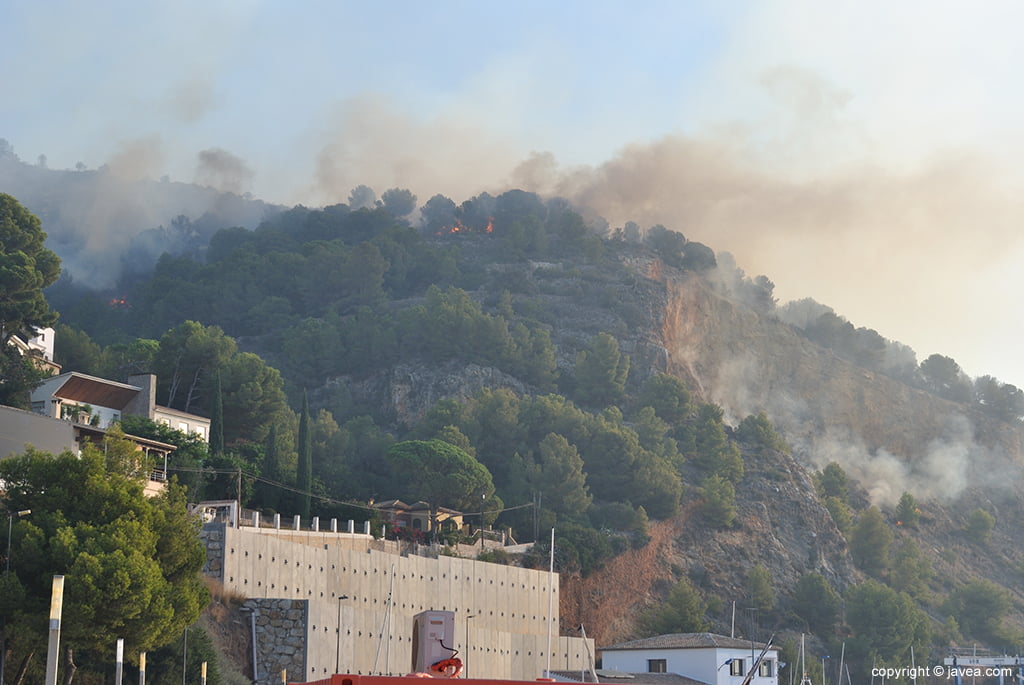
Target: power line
<point x="323" y="498"/>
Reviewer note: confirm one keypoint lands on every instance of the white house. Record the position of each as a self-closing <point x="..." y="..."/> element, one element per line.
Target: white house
<point x="704" y="657"/>
<point x="88" y="400"/>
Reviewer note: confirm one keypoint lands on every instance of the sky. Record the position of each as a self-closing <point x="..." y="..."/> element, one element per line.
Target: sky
<point x="865" y="154"/>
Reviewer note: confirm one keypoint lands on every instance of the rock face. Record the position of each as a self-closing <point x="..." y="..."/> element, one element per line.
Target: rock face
<point x="890" y="438"/>
<point x="409" y="390"/>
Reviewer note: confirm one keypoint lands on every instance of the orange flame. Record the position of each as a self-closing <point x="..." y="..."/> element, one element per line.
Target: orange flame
<point x="460" y="228"/>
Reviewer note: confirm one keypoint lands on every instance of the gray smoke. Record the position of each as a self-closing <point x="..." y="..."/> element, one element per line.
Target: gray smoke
<point x="223" y="171"/>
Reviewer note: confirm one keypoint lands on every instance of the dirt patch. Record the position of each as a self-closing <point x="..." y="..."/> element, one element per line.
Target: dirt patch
<point x="608" y="602"/>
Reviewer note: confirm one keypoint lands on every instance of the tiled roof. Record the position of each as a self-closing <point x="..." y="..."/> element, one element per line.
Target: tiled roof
<point x="685" y="641"/>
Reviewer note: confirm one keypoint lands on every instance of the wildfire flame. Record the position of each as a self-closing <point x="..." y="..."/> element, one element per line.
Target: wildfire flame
<point x="119" y="302"/>
<point x="459" y="227"/>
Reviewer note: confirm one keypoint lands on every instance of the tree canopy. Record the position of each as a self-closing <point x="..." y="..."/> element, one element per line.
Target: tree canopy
<point x="26" y="267"/>
<point x="440" y="474"/>
<point x="131" y="563"/>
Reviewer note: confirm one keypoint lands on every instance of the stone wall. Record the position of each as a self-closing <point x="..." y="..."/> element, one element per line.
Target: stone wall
<point x="280" y="637"/>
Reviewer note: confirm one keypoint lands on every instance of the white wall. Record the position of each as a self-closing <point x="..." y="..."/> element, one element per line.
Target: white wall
<point x="706" y="665"/>
<point x="507" y="638"/>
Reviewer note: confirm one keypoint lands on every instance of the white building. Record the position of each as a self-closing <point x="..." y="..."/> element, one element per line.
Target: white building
<point x="704" y="657"/>
<point x="88" y="400"/>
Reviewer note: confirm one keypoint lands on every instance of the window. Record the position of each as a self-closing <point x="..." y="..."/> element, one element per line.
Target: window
<point x="201" y="432"/>
<point x="766" y="669"/>
<point x="183" y="427"/>
<point x="657" y="666"/>
<point x="736" y="667"/>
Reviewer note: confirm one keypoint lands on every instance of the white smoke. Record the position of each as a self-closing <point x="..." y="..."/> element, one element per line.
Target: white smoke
<point x="946" y="467"/>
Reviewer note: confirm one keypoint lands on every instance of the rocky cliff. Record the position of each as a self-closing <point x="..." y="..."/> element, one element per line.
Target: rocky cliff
<point x="890" y="438"/>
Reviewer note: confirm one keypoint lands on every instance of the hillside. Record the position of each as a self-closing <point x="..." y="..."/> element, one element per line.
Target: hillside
<point x="551" y="353"/>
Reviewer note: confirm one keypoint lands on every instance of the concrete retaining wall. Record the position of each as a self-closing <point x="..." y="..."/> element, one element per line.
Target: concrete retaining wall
<point x="344" y="583"/>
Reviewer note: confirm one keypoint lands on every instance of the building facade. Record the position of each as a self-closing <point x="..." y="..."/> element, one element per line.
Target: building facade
<point x="88" y="400"/>
<point x="706" y="657"/>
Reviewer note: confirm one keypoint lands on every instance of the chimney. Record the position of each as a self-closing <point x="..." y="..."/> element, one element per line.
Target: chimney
<point x="145" y="402"/>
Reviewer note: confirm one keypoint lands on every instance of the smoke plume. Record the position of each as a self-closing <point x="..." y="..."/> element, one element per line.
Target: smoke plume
<point x="224" y="171"/>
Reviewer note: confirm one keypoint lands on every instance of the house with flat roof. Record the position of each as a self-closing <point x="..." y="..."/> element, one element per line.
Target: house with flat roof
<point x="704" y="657"/>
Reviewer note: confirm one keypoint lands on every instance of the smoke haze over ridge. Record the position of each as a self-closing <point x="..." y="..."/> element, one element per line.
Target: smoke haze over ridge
<point x="861" y="154"/>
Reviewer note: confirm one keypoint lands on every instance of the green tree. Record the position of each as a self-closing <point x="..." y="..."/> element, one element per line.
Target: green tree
<point x="362" y="197"/>
<point x="944" y="377"/>
<point x="885" y="625"/>
<point x="217" y="419"/>
<point x="655" y="485"/>
<point x="762" y="590"/>
<point x="833" y="482"/>
<point x="1001" y="400"/>
<point x="275" y="469"/>
<point x="979" y="525"/>
<point x="840" y="513"/>
<point x="719" y="506"/>
<point x="667" y="243"/>
<point x="558" y="475"/>
<point x="189" y="355"/>
<point x="979" y="608"/>
<point x="910" y="570"/>
<point x="440" y="474"/>
<point x="304" y="480"/>
<point x="712" y="450"/>
<point x="253" y="398"/>
<point x="907" y="512"/>
<point x="18" y="377"/>
<point x="601" y="372"/>
<point x="668" y="396"/>
<point x="74" y="350"/>
<point x="816" y="603"/>
<point x="438" y="214"/>
<point x="26" y="268"/>
<point x="398" y="202"/>
<point x="758" y="430"/>
<point x="453" y="436"/>
<point x="681" y="612"/>
<point x="131" y="563"/>
<point x="871" y="541"/>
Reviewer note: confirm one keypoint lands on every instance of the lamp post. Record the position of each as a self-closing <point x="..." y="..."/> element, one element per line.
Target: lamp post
<point x="7" y="571"/>
<point x="337" y="648"/>
<point x="465" y="665"/>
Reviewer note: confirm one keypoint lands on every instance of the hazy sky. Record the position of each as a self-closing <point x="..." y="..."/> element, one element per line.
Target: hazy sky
<point x="866" y="154"/>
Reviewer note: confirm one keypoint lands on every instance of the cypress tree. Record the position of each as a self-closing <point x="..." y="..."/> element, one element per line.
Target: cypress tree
<point x="305" y="465"/>
<point x="272" y="470"/>
<point x="217" y="421"/>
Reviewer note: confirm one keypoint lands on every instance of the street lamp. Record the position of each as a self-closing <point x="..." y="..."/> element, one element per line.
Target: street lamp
<point x="7" y="571"/>
<point x="337" y="649"/>
<point x="466" y="664"/>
